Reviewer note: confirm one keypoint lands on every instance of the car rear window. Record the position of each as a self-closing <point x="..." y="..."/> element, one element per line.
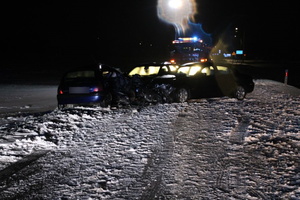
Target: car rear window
<point x="81" y="74"/>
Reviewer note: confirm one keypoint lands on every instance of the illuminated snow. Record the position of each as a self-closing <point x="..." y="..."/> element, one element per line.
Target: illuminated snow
<point x="208" y="148"/>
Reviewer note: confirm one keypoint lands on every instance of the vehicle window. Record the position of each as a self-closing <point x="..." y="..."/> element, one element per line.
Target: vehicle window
<point x="183" y="70"/>
<point x="151" y="70"/>
<point x="194" y="70"/>
<point x="80" y="74"/>
<point x="223" y="70"/>
<point x="208" y="71"/>
<point x="173" y="68"/>
<point x="135" y="71"/>
<point x="145" y="70"/>
<point x="165" y="68"/>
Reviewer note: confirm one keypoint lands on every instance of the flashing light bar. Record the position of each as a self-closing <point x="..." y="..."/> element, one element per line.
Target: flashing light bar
<point x="187" y="40"/>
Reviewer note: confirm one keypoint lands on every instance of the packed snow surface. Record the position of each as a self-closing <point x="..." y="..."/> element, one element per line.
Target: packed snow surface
<point x="217" y="148"/>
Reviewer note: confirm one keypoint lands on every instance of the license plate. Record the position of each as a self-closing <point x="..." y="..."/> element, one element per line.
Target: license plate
<point x="79" y="90"/>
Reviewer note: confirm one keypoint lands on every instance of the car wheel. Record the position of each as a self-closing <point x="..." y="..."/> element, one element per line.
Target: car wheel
<point x="181" y="95"/>
<point x="240" y="93"/>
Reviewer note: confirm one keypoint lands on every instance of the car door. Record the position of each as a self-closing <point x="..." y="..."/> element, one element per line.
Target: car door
<point x="203" y="83"/>
<point x="225" y="80"/>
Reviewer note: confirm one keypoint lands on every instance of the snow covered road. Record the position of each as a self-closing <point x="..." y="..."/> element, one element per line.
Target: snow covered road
<point x="217" y="148"/>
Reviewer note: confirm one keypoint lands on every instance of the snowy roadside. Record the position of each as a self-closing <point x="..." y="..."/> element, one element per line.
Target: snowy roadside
<point x="208" y="149"/>
<point x="18" y="99"/>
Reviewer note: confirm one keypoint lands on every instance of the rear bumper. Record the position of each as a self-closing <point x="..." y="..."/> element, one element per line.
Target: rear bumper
<point x="79" y="98"/>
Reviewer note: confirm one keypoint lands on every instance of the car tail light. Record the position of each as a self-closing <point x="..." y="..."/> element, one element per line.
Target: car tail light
<point x="96" y="89"/>
<point x="60" y="92"/>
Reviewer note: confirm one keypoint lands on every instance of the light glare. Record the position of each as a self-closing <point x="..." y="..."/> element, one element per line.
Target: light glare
<point x="177" y="13"/>
<point x="175" y="4"/>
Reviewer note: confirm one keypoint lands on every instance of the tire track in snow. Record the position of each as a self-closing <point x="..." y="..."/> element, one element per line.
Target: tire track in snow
<point x="154" y="176"/>
<point x="197" y="167"/>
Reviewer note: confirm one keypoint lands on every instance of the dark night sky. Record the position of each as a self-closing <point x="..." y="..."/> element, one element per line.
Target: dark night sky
<point x="53" y="33"/>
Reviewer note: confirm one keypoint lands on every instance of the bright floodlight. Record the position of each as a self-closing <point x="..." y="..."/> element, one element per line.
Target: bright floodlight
<point x="175" y="4"/>
<point x="176" y="12"/>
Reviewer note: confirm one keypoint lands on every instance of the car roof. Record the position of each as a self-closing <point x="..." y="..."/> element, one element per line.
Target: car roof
<point x="197" y="63"/>
<point x="154" y="64"/>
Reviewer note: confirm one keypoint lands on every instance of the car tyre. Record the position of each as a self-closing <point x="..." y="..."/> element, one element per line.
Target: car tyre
<point x="240" y="93"/>
<point x="181" y="95"/>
